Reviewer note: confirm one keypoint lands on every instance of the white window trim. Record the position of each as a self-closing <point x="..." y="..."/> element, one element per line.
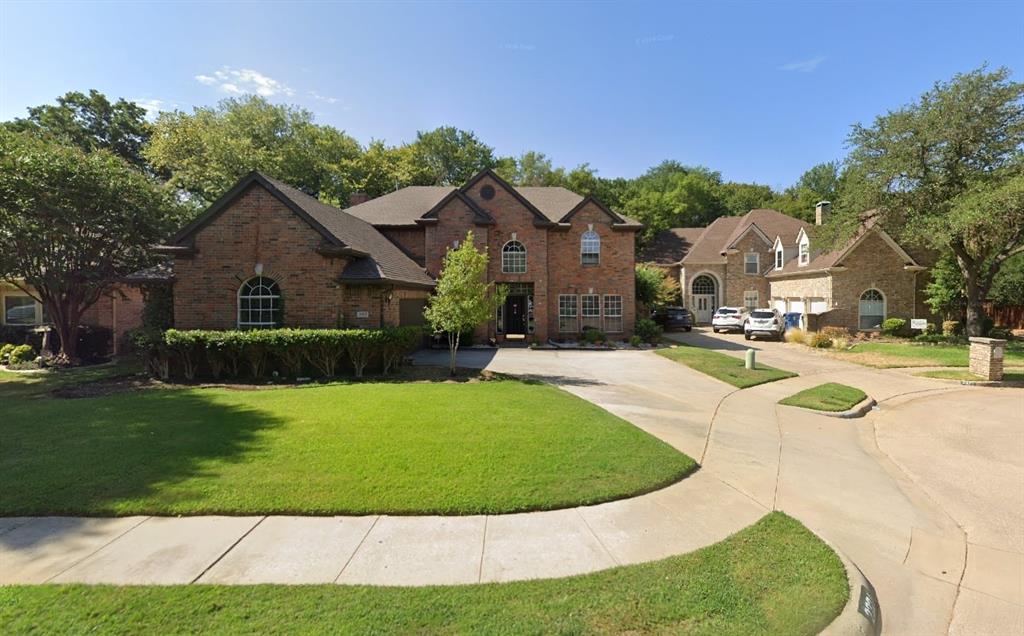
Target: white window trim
<point x="757" y="263"/>
<point x="606" y="315"/>
<point x="805" y="252"/>
<point x="755" y="295"/>
<point x="274" y="313"/>
<point x="596" y="238"/>
<point x="574" y="316"/>
<point x="780" y="258"/>
<point x="525" y="252"/>
<point x="885" y="308"/>
<point x="596" y="318"/>
<point x="37" y="319"/>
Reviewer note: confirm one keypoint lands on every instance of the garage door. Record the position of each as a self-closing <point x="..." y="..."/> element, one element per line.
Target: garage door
<point x="818" y="306"/>
<point x="779" y="305"/>
<point x="410" y="311"/>
<point x="796" y="305"/>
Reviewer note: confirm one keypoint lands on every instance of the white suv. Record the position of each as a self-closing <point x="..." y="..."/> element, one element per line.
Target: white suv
<point x="729" y="319"/>
<point x="764" y="322"/>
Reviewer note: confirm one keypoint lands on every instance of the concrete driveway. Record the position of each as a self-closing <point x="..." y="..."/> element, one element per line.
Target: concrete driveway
<point x="869" y="486"/>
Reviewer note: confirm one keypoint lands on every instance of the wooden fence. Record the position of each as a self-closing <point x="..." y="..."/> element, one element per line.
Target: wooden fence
<point x="1011" y="316"/>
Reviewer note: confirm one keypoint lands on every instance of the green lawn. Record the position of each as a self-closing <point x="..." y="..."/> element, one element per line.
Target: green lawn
<point x="724" y="367"/>
<point x="826" y="397"/>
<point x="774" y="577"/>
<point x="957" y="374"/>
<point x="899" y="354"/>
<point x="452" y="448"/>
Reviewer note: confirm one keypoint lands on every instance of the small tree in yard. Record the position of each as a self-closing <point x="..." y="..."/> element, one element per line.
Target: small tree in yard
<point x="947" y="174"/>
<point x="71" y="224"/>
<point x="463" y="298"/>
<point x="655" y="288"/>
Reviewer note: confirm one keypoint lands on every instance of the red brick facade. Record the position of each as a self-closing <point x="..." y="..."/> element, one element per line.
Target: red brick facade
<point x="258" y="232"/>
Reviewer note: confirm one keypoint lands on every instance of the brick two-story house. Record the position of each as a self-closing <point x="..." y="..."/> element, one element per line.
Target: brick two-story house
<point x="767" y="259"/>
<point x="266" y="254"/>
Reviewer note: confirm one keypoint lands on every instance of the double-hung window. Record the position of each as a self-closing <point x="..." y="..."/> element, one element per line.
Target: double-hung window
<point x="590" y="248"/>
<point x="590" y="305"/>
<point x="21" y="309"/>
<point x="513" y="258"/>
<point x="752" y="263"/>
<point x="568" y="317"/>
<point x="613" y="314"/>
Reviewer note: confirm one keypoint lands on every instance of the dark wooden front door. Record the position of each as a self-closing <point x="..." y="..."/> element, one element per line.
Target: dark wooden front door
<point x="515" y="315"/>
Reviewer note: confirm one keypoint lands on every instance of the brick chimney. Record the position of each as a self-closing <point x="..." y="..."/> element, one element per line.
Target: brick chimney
<point x="358" y="197"/>
<point x="821" y="211"/>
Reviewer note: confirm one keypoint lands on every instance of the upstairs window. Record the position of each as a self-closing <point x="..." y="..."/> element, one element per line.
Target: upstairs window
<point x="805" y="252"/>
<point x="752" y="263"/>
<point x="590" y="248"/>
<point x="259" y="304"/>
<point x="513" y="258"/>
<point x="779" y="259"/>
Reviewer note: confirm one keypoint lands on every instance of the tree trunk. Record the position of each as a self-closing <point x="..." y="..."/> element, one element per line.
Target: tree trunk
<point x="975" y="311"/>
<point x="453" y="349"/>
<point x="67" y="330"/>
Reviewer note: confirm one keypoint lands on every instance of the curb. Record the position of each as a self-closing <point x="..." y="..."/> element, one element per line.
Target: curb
<point x="863" y="408"/>
<point x="862" y="615"/>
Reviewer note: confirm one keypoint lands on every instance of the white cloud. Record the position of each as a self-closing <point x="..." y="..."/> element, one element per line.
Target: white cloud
<point x="245" y="80"/>
<point x="804" y="66"/>
<point x="152" y="106"/>
<point x="323" y="98"/>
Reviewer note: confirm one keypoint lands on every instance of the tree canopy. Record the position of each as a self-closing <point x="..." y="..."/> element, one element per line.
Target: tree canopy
<point x="947" y="173"/>
<point x="72" y="223"/>
<point x="91" y="122"/>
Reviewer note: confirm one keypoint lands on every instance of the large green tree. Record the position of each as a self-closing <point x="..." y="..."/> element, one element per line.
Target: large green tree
<point x="72" y="223"/>
<point x="91" y="122"/>
<point x="463" y="298"/>
<point x="449" y="156"/>
<point x="207" y="151"/>
<point x="947" y="173"/>
<point x="820" y="183"/>
<point x="672" y="195"/>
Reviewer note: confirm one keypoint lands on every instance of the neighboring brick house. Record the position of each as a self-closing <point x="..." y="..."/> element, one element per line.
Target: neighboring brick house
<point x="567" y="260"/>
<point x="766" y="259"/>
<point x="266" y="254"/>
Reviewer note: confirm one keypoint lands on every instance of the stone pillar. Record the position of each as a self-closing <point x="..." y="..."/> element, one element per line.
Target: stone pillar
<point x="987" y="357"/>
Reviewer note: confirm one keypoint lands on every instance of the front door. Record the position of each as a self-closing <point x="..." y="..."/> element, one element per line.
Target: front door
<point x="515" y="315"/>
<point x="703" y="307"/>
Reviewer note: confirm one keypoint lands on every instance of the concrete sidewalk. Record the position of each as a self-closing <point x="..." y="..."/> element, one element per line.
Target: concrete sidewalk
<point x="379" y="550"/>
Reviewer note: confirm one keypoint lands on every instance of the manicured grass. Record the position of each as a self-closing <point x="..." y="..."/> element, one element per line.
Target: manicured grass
<point x="957" y="374"/>
<point x="774" y="577"/>
<point x="826" y="397"/>
<point x="403" y="448"/>
<point x="897" y="354"/>
<point x="724" y="367"/>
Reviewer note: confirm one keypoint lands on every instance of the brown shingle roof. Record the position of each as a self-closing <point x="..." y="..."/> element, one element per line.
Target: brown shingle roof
<point x="554" y="202"/>
<point x="708" y="248"/>
<point x="772" y="222"/>
<point x="401" y="207"/>
<point x="670" y="246"/>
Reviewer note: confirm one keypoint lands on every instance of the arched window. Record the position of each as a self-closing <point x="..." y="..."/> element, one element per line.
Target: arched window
<point x="259" y="304"/>
<point x="590" y="248"/>
<point x="513" y="258"/>
<point x="871" y="311"/>
<point x="703" y="285"/>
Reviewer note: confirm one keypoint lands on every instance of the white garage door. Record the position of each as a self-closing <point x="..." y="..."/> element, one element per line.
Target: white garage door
<point x="796" y="305"/>
<point x="818" y="306"/>
<point x="779" y="304"/>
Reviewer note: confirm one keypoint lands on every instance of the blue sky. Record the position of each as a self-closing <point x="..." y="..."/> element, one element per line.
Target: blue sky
<point x="758" y="91"/>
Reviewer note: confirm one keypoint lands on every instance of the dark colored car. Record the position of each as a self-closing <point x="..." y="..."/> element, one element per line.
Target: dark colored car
<point x="791" y="321"/>
<point x="674" y="318"/>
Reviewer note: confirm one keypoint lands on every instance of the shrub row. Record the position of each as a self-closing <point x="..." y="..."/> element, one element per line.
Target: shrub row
<point x="290" y="352"/>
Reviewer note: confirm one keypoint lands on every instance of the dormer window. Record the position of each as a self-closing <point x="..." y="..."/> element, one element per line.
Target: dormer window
<point x="779" y="258"/>
<point x="804" y="248"/>
<point x="752" y="263"/>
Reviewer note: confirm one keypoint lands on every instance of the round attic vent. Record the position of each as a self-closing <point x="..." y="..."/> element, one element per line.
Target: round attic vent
<point x="487" y="192"/>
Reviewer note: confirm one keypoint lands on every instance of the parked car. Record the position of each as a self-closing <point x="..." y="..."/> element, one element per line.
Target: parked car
<point x="729" y="319"/>
<point x="673" y="318"/>
<point x="764" y="322"/>
<point x="791" y="320"/>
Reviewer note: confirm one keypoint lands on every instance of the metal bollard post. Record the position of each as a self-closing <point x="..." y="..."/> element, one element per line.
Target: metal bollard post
<point x="750" y="363"/>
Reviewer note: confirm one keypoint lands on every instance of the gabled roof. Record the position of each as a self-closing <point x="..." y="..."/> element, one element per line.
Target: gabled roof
<point x="726" y="231"/>
<point x="668" y="247"/>
<point x="834" y="258"/>
<point x="375" y="258"/>
<point x="770" y="223"/>
<point x="549" y="205"/>
<point x="709" y="247"/>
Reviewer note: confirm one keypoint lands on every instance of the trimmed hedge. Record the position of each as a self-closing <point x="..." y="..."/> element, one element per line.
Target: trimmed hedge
<point x="273" y="352"/>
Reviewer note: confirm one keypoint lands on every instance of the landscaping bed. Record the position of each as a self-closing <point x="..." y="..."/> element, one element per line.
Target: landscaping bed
<point x="774" y="577"/>
<point x="416" y="447"/>
<point x="724" y="367"/>
<point x="831" y="396"/>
